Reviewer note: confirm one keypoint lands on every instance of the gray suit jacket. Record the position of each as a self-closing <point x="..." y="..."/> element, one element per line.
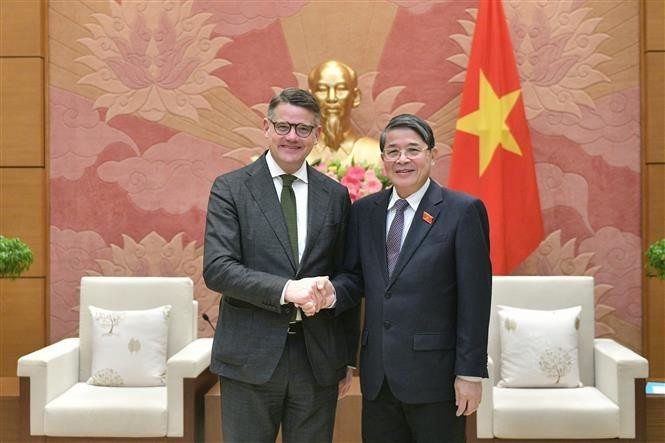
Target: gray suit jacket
<point x="248" y="258"/>
<point x="428" y="322"/>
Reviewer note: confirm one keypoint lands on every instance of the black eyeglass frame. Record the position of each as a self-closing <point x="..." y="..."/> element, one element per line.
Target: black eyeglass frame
<point x="305" y="129"/>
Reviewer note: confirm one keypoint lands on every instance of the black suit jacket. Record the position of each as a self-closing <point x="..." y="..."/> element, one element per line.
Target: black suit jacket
<point x="429" y="322"/>
<point x="247" y="257"/>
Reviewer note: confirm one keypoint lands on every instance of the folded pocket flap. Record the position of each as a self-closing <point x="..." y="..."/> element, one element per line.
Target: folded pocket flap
<point x="433" y="341"/>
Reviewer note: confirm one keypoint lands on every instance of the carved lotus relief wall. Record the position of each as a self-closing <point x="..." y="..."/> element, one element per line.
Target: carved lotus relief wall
<point x="151" y="100"/>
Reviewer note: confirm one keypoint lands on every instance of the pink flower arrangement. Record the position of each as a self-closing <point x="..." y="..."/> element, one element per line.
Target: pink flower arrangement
<point x="360" y="180"/>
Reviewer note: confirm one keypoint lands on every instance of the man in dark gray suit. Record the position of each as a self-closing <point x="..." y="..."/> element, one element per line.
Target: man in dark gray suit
<point x="272" y="226"/>
<point x="420" y="255"/>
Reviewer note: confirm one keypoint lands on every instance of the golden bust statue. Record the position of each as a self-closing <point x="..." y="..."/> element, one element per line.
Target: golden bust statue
<point x="335" y="86"/>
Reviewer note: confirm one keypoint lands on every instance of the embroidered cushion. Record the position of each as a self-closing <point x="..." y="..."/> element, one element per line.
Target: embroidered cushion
<point x="129" y="347"/>
<point x="539" y="348"/>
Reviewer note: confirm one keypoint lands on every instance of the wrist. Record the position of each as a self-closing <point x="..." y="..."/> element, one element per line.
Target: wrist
<point x="283" y="299"/>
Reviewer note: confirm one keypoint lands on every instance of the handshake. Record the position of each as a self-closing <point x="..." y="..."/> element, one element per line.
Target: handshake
<point x="310" y="294"/>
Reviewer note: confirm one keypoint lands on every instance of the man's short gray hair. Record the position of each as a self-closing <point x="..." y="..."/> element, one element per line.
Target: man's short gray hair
<point x="409" y="121"/>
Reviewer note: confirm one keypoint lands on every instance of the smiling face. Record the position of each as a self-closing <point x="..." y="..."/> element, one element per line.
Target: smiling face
<point x="290" y="150"/>
<point x="408" y="175"/>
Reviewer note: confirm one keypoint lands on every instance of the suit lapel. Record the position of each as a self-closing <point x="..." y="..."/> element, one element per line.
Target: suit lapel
<point x="419" y="227"/>
<point x="317" y="209"/>
<point x="260" y="185"/>
<point x="378" y="236"/>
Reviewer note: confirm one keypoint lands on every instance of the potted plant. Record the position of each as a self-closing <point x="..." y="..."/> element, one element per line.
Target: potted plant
<point x="15" y="257"/>
<point x="656" y="259"/>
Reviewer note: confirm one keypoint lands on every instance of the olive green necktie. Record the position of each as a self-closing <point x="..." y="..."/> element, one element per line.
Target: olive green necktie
<point x="288" y="201"/>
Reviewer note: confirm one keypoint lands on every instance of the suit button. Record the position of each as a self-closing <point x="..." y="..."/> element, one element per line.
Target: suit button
<point x="388" y="295"/>
<point x="386" y="325"/>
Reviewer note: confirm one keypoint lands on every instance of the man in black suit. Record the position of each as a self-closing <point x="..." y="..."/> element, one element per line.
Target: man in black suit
<point x="271" y="227"/>
<point x="419" y="253"/>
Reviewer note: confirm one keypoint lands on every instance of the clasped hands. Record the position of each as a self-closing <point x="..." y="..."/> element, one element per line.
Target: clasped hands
<point x="310" y="294"/>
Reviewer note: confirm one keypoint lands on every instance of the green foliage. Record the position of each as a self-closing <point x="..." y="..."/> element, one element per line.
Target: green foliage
<point x="656" y="259"/>
<point x="15" y="257"/>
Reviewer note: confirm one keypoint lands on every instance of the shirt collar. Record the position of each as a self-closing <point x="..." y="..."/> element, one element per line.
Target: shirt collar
<point x="413" y="200"/>
<point x="276" y="170"/>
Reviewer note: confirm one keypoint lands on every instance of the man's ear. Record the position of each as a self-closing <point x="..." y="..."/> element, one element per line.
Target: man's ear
<point x="266" y="126"/>
<point x="435" y="152"/>
<point x="356" y="100"/>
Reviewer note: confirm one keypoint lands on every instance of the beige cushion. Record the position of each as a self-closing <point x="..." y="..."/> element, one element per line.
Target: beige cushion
<point x="546" y="293"/>
<point x="129" y="347"/>
<point x="539" y="347"/>
<point x="135" y="293"/>
<point x="554" y="414"/>
<point x="98" y="411"/>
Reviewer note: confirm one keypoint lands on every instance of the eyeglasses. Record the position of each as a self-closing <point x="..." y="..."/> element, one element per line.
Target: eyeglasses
<point x="392" y="154"/>
<point x="283" y="128"/>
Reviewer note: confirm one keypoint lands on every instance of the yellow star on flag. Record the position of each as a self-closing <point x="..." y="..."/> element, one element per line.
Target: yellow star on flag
<point x="488" y="122"/>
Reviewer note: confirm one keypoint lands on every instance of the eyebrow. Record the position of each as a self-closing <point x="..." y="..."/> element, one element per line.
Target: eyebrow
<point x="393" y="145"/>
<point x="294" y="124"/>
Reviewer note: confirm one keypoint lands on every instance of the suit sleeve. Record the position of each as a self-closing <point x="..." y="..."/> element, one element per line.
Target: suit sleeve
<point x="351" y="317"/>
<point x="349" y="283"/>
<point x="474" y="287"/>
<point x="223" y="268"/>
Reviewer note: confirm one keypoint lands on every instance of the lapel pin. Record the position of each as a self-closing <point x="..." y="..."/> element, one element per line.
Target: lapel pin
<point x="428" y="217"/>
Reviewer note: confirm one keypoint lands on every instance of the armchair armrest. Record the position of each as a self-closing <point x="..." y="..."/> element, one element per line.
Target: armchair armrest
<point x="485" y="412"/>
<point x="616" y="368"/>
<point x="52" y="370"/>
<point x="189" y="362"/>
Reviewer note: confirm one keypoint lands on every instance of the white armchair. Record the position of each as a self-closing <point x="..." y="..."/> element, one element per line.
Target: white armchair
<point x="610" y="404"/>
<point x="56" y="401"/>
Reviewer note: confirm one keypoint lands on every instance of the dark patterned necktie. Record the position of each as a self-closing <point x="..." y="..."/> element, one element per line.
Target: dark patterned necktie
<point x="288" y="202"/>
<point x="394" y="240"/>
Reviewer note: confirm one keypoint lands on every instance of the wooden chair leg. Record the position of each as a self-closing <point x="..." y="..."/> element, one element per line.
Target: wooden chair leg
<point x="24" y="404"/>
<point x="194" y="393"/>
<point x="471" y="429"/>
<point x="640" y="410"/>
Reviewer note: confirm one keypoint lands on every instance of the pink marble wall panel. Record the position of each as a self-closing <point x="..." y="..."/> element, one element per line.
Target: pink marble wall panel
<point x="150" y="101"/>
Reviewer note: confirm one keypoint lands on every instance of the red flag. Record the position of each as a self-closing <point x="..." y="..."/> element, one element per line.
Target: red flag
<point x="492" y="153"/>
